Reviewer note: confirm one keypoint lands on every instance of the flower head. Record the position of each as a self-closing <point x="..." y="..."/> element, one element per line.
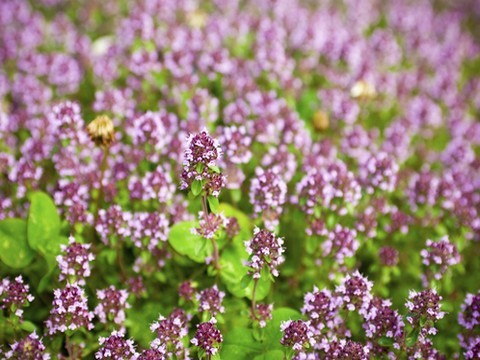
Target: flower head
<point x="101" y="131"/>
<point x="112" y="305"/>
<point x="265" y="250"/>
<point x="70" y="310"/>
<point x="200" y="163"/>
<point x="29" y="348"/>
<point x="115" y="347"/>
<point x="297" y="334"/>
<point x="75" y="261"/>
<point x="208" y="337"/>
<point x="15" y="295"/>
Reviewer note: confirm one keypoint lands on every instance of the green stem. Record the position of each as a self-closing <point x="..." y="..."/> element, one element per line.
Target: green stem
<point x="214" y="243"/>
<point x="103" y="167"/>
<point x="254" y="305"/>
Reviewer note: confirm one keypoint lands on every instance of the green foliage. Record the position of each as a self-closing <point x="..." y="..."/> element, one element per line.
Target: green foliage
<point x="43" y="227"/>
<point x="14" y="249"/>
<point x="244" y="343"/>
<point x="185" y="243"/>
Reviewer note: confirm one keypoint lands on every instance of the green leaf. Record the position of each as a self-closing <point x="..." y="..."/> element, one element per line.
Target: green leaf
<point x="246" y="280"/>
<point x="184" y="242"/>
<point x="412" y="337"/>
<point x="270" y="355"/>
<point x="239" y="344"/>
<point x="14" y="249"/>
<point x="385" y="341"/>
<point x="28" y="326"/>
<point x="197" y="187"/>
<point x="138" y="322"/>
<point x="44" y="224"/>
<point x="46" y="281"/>
<point x="214" y="168"/>
<point x="213" y="203"/>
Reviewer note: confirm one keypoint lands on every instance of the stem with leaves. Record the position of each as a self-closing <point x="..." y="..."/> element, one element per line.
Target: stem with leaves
<point x="216" y="256"/>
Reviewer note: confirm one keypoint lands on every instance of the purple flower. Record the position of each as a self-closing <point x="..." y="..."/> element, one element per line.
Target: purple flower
<point x="469" y="317"/>
<point x="379" y="171"/>
<point x="331" y="187"/>
<point x="186" y="291"/>
<point x="208" y="337"/>
<point x="70" y="310"/>
<point x="265" y="250"/>
<point x="170" y="333"/>
<point x="263" y="314"/>
<point x="297" y="334"/>
<point x="211" y="300"/>
<point x="29" y="348"/>
<point x="115" y="347"/>
<point x="75" y="261"/>
<point x="112" y="223"/>
<point x="341" y="243"/>
<point x="355" y="292"/>
<point x="210" y="224"/>
<point x="321" y="307"/>
<point x="424" y="305"/>
<point x="200" y="163"/>
<point x="382" y="320"/>
<point x="112" y="305"/>
<point x="15" y="295"/>
<point x="472" y="351"/>
<point x="346" y="350"/>
<point x="267" y="195"/>
<point x="439" y="256"/>
<point x="388" y="256"/>
<point x="152" y="354"/>
<point x="156" y="185"/>
<point x="236" y="144"/>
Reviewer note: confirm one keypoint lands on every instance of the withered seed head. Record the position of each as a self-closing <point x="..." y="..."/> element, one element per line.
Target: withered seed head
<point x="321" y="121"/>
<point x="101" y="131"/>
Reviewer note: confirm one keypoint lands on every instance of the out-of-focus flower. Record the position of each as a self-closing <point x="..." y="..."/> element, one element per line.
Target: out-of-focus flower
<point x="267" y="195"/>
<point x="438" y="256"/>
<point x="363" y="90"/>
<point x="112" y="305"/>
<point x="210" y="300"/>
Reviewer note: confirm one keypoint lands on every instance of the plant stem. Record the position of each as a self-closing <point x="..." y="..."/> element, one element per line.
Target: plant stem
<point x="103" y="167"/>
<point x="68" y="346"/>
<point x="254" y="291"/>
<point x="214" y="243"/>
<point x="121" y="265"/>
